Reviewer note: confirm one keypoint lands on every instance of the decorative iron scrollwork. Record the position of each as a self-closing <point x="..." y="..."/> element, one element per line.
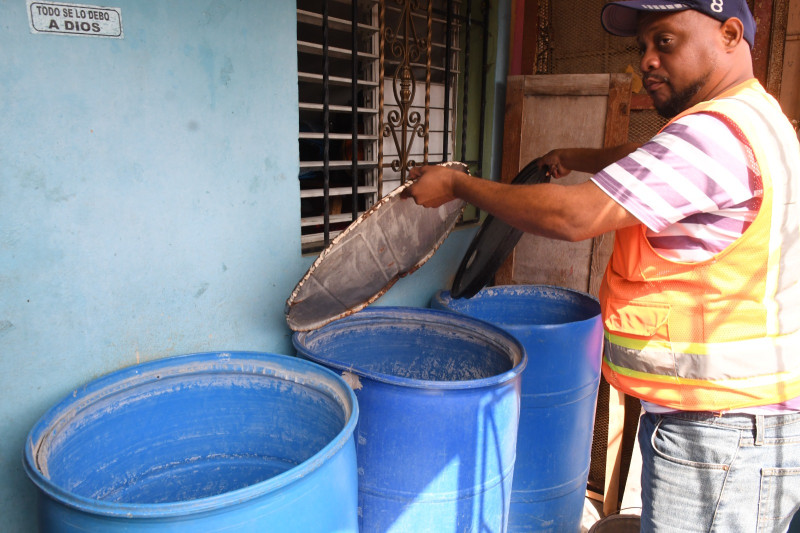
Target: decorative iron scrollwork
<point x="403" y="124"/>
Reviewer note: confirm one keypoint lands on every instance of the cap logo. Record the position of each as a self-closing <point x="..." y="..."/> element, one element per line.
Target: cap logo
<point x="717" y="6"/>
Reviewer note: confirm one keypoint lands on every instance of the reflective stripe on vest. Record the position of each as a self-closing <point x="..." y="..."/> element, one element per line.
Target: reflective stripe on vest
<point x="722" y="333"/>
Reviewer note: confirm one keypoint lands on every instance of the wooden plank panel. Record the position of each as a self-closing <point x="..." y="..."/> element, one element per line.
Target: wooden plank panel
<point x="790" y="81"/>
<point x="558" y="111"/>
<point x="557" y="121"/>
<point x="762" y="13"/>
<point x="567" y="85"/>
<point x="511" y="164"/>
<point x="790" y="84"/>
<point x="619" y="108"/>
<point x="512" y="126"/>
<point x="530" y="37"/>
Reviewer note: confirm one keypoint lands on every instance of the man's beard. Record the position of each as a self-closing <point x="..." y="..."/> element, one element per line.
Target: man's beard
<point x="679" y="101"/>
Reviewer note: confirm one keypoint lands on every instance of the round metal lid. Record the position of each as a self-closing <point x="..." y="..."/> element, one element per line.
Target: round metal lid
<point x="390" y="240"/>
<point x="492" y="244"/>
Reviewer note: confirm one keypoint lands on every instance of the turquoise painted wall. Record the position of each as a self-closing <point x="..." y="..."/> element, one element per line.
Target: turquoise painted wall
<point x="149" y="203"/>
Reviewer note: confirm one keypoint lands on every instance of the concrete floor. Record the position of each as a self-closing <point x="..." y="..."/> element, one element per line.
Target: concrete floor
<point x="631" y="498"/>
<point x="592" y="512"/>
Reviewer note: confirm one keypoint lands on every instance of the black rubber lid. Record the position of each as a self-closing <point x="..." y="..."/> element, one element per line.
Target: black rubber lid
<point x="492" y="244"/>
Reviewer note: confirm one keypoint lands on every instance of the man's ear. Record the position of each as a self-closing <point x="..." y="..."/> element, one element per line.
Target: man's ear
<point x="732" y="31"/>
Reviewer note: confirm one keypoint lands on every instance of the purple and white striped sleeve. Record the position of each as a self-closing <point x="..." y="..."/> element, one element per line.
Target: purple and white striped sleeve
<point x="695" y="165"/>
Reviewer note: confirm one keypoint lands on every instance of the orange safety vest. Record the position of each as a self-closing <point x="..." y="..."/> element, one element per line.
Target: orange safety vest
<point x="723" y="333"/>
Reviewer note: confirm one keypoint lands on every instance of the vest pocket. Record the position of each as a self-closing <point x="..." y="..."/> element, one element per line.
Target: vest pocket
<point x="640" y="319"/>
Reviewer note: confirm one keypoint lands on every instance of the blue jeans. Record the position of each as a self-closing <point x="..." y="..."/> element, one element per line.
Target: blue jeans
<point x="726" y="474"/>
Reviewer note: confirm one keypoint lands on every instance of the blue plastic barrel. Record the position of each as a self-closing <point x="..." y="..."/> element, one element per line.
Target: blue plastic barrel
<point x="232" y="441"/>
<point x="439" y="400"/>
<point x="562" y="332"/>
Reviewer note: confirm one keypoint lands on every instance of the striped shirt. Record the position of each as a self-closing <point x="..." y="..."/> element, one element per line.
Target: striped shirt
<point x="695" y="185"/>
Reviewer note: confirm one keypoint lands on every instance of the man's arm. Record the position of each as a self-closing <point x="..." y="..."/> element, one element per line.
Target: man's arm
<point x="565" y="212"/>
<point x="561" y="161"/>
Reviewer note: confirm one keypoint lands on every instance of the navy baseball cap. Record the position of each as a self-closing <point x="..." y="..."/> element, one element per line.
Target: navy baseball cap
<point x="620" y="18"/>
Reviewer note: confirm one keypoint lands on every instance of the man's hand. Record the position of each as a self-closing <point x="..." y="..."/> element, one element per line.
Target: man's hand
<point x="553" y="164"/>
<point x="562" y="161"/>
<point x="433" y="185"/>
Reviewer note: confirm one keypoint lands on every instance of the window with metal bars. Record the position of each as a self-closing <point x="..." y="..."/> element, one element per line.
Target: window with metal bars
<point x="383" y="86"/>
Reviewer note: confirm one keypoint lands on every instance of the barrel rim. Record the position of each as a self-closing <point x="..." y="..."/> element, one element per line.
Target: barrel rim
<point x="444" y="298"/>
<point x="387" y="313"/>
<point x="147" y="372"/>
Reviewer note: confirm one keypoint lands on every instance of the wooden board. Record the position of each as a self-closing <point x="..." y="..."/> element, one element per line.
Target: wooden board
<point x="556" y="111"/>
<point x="790" y="82"/>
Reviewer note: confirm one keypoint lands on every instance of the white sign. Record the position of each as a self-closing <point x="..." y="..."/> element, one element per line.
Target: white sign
<point x="75" y="19"/>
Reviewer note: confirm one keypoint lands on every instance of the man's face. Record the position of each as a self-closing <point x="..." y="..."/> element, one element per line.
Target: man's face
<point x="678" y="59"/>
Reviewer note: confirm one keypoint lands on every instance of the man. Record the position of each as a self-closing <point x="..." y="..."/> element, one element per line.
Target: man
<point x="701" y="297"/>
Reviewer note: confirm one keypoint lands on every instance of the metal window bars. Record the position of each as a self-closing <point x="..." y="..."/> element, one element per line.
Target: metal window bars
<point x="361" y="116"/>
